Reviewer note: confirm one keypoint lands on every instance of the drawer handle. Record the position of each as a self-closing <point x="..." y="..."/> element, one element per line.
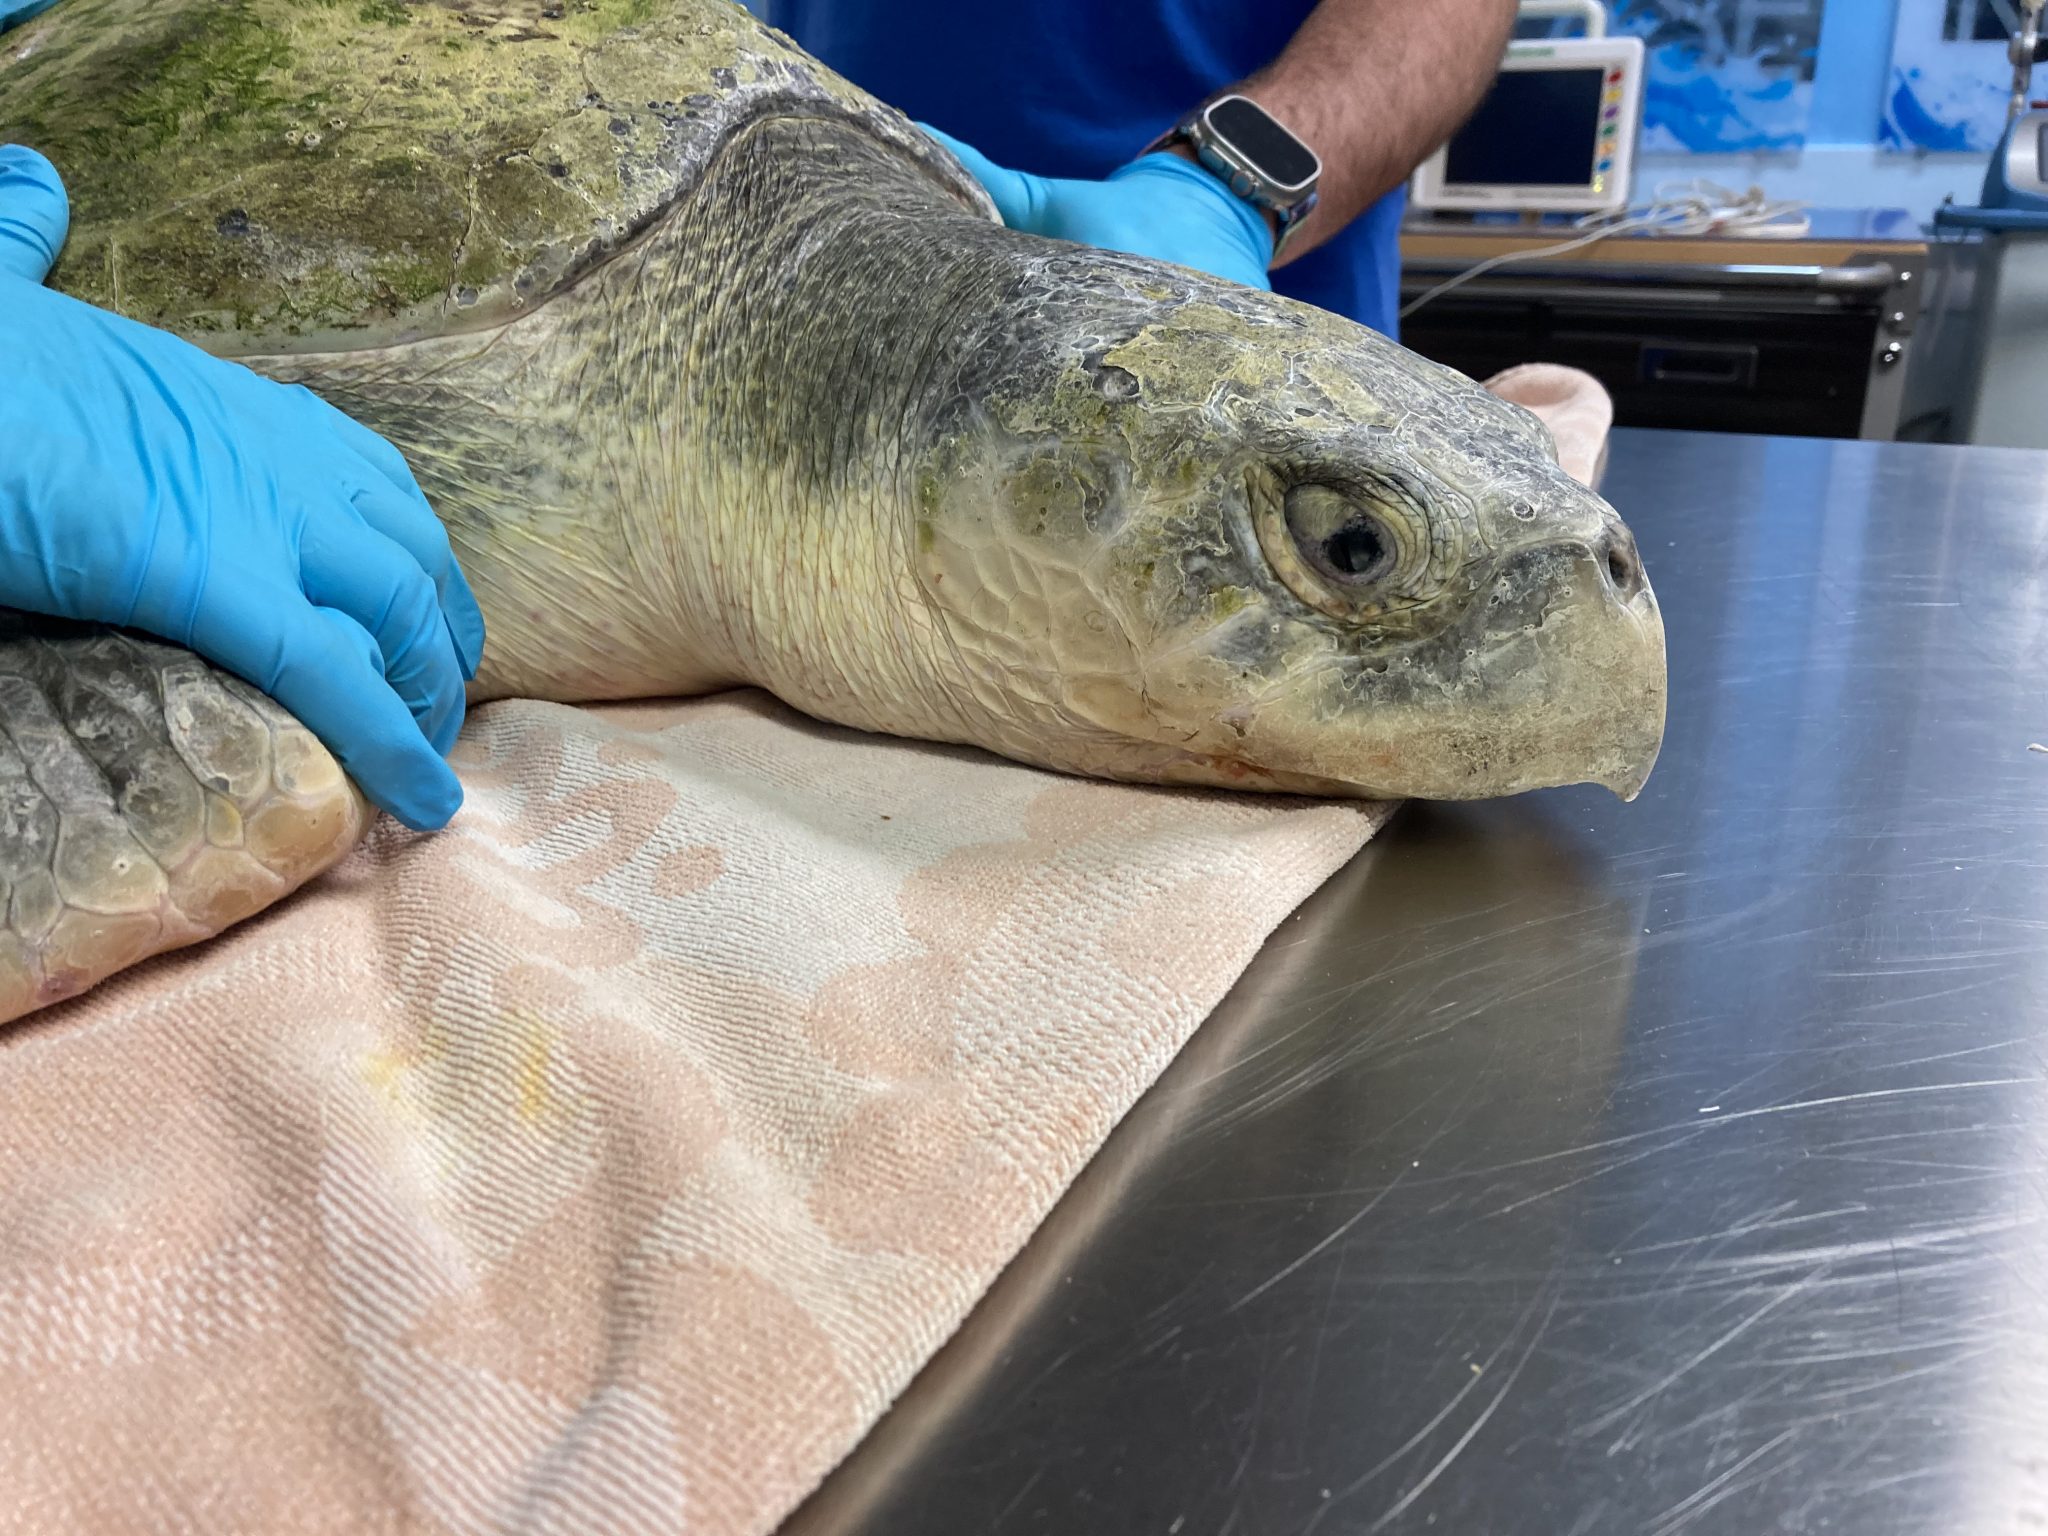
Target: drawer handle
<point x="1725" y="365"/>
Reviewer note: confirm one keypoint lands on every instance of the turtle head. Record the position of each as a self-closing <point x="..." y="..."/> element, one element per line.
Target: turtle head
<point x="1190" y="531"/>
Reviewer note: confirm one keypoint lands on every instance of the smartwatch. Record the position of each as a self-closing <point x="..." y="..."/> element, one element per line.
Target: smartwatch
<point x="1250" y="151"/>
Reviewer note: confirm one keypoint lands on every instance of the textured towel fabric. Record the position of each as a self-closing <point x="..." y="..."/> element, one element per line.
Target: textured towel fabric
<point x="609" y="1162"/>
<point x="1573" y="404"/>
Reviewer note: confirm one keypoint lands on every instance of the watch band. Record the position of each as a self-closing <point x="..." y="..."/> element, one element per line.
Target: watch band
<point x="1232" y="165"/>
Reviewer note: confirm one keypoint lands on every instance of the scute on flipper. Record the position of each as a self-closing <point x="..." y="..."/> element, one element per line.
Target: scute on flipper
<point x="147" y="801"/>
<point x="271" y="176"/>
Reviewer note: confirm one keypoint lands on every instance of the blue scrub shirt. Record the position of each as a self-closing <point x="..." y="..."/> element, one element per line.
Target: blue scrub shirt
<point x="1078" y="87"/>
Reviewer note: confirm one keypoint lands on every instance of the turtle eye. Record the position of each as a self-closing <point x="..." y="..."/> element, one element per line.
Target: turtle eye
<point x="1355" y="551"/>
<point x="1342" y="541"/>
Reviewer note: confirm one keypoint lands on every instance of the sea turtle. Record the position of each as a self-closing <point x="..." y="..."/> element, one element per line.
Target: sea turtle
<point x="720" y="372"/>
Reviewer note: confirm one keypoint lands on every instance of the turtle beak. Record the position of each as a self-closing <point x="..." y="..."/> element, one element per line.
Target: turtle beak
<point x="1610" y="683"/>
<point x="1643" y="684"/>
<point x="1566" y="687"/>
<point x="1645" y="730"/>
<point x="1581" y="692"/>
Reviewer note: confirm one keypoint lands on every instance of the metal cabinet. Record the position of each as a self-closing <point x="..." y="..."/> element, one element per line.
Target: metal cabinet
<point x="1808" y="337"/>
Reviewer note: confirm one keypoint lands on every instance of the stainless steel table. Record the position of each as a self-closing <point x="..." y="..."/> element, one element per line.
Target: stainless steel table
<point x="1567" y="1166"/>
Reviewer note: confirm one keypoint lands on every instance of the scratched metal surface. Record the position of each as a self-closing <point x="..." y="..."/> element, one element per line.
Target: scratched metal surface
<point x="1568" y="1166"/>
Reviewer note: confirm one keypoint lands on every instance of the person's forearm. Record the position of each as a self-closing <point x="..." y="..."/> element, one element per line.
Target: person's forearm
<point x="1374" y="87"/>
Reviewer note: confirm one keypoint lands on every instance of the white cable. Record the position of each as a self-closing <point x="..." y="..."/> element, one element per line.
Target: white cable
<point x="1480" y="269"/>
<point x="1698" y="207"/>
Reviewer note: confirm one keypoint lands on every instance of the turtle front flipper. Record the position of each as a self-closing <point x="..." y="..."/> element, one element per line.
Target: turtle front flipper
<point x="147" y="801"/>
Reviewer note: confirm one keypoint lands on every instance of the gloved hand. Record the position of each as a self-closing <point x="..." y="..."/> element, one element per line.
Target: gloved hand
<point x="1158" y="205"/>
<point x="146" y="483"/>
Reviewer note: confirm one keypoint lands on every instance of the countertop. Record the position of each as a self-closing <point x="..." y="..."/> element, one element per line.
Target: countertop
<point x="1570" y="1166"/>
<point x="1834" y="238"/>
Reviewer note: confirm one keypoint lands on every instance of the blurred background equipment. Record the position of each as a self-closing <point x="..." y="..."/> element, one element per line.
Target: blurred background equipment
<point x="1830" y="220"/>
<point x="1556" y="134"/>
<point x="1993" y="371"/>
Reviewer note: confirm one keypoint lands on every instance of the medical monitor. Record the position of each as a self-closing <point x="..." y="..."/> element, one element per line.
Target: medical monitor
<point x="1555" y="134"/>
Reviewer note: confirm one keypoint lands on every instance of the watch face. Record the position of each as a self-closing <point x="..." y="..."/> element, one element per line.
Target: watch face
<point x="1280" y="156"/>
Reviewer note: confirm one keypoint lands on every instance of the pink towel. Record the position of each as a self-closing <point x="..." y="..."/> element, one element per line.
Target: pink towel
<point x="1574" y="405"/>
<point x="609" y="1162"/>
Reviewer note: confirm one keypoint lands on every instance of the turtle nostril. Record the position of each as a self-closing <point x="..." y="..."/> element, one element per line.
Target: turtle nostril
<point x="1617" y="551"/>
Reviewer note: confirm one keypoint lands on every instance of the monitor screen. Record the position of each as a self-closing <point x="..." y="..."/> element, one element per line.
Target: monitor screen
<point x="1536" y="128"/>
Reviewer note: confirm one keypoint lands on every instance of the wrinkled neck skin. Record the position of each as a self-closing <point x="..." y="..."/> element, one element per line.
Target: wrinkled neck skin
<point x="827" y="430"/>
<point x="690" y="470"/>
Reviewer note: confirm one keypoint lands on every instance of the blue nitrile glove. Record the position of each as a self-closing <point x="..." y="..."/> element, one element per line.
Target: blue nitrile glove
<point x="1158" y="205"/>
<point x="14" y="12"/>
<point x="146" y="483"/>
